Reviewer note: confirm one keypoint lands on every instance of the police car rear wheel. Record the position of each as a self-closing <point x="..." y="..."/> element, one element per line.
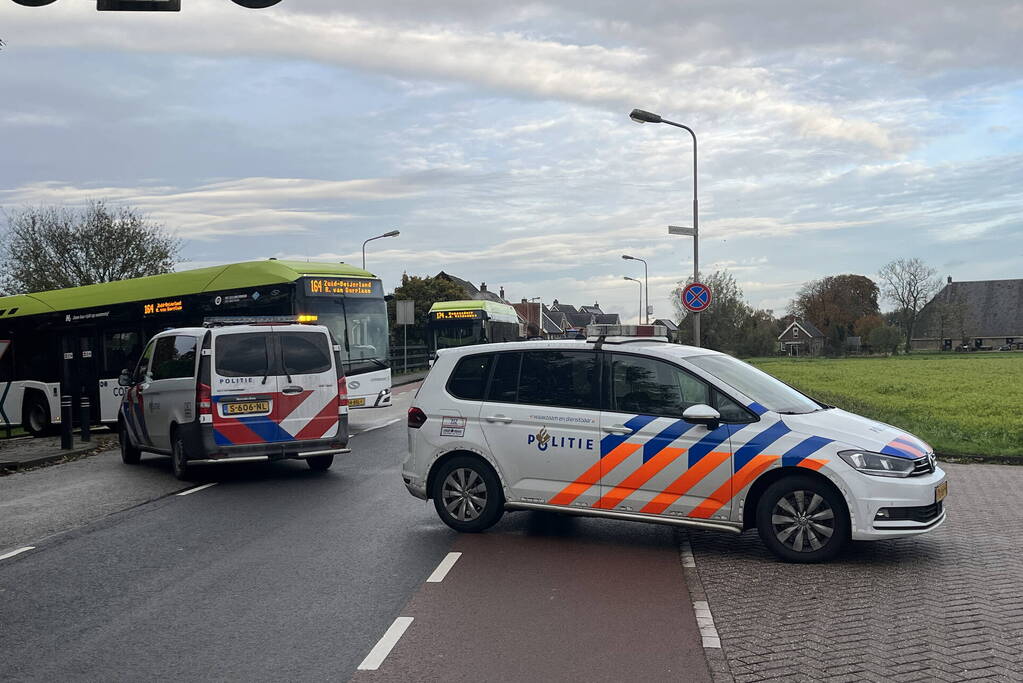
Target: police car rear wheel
<point x="801" y="519"/>
<point x="468" y="496"/>
<point x="179" y="462"/>
<point x="320" y="463"/>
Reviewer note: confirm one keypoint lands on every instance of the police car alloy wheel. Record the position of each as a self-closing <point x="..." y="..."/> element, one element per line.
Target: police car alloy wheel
<point x="180" y="465"/>
<point x="468" y="495"/>
<point x="802" y="519"/>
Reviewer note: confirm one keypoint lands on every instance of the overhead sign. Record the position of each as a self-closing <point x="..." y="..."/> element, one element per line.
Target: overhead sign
<point x="696" y="297"/>
<point x="342" y="286"/>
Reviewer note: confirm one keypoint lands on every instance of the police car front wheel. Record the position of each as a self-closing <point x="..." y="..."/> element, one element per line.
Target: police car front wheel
<point x="468" y="494"/>
<point x="802" y="519"/>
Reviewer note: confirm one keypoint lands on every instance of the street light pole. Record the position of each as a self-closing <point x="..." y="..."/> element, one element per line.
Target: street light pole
<point x="639" y="319"/>
<point x="646" y="285"/>
<point x="393" y="233"/>
<point x="641" y="116"/>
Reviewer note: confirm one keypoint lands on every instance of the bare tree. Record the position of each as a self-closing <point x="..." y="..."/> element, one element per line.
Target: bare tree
<point x="910" y="283"/>
<point x="52" y="248"/>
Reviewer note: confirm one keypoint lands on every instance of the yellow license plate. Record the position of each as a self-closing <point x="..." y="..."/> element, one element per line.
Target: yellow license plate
<point x="356" y="402"/>
<point x="940" y="491"/>
<point x="246" y="407"/>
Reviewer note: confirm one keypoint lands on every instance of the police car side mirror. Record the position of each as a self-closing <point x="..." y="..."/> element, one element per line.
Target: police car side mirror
<point x="124" y="379"/>
<point x="702" y="414"/>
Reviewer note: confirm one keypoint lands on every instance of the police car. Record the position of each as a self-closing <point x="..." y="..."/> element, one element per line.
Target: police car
<point x="628" y="426"/>
<point x="236" y="390"/>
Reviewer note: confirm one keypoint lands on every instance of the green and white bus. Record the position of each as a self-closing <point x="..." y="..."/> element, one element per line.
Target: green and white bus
<point x="76" y="341"/>
<point x="460" y="323"/>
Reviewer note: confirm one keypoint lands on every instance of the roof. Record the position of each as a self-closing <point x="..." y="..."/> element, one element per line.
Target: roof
<point x="498" y="312"/>
<point x="607" y="319"/>
<point x="216" y="278"/>
<point x="805" y="326"/>
<point x="471" y="290"/>
<point x="990" y="308"/>
<point x="670" y="324"/>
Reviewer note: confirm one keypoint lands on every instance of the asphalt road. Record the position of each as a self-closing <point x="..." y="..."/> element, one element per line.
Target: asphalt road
<point x="278" y="572"/>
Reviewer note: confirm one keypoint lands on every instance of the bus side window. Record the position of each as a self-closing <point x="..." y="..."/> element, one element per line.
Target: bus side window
<point x="120" y="350"/>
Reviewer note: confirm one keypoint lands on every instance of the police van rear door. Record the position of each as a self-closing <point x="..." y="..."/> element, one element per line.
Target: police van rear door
<point x="308" y="404"/>
<point x="244" y="387"/>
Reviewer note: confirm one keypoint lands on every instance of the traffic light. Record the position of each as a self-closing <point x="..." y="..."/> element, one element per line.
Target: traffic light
<point x="148" y="5"/>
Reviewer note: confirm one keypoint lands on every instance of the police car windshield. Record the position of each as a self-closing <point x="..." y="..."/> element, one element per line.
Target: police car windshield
<point x="758" y="385"/>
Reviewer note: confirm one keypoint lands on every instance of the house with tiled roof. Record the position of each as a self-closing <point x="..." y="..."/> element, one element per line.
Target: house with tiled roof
<point x="801" y="338"/>
<point x="978" y="314"/>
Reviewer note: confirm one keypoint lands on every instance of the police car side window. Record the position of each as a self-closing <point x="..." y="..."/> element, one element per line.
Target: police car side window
<point x="174" y="357"/>
<point x="729" y="409"/>
<point x="651" y="387"/>
<point x="469" y="379"/>
<point x="504" y="384"/>
<point x="566" y="379"/>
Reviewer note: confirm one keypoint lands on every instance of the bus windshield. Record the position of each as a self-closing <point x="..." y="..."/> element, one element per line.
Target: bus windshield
<point x="367" y="340"/>
<point x="457" y="333"/>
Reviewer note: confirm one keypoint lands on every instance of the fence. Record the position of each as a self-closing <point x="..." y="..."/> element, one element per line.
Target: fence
<point x="418" y="358"/>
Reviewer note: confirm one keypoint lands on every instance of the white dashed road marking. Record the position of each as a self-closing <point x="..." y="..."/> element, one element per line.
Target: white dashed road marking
<point x="17" y="552"/>
<point x="386" y="643"/>
<point x="443" y="568"/>
<point x="198" y="488"/>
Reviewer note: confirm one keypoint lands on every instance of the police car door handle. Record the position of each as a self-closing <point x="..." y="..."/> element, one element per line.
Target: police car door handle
<point x="291" y="390"/>
<point x="498" y="418"/>
<point x="618" y="429"/>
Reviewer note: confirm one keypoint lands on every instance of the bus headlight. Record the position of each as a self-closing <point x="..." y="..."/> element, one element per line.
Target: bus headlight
<point x="877" y="464"/>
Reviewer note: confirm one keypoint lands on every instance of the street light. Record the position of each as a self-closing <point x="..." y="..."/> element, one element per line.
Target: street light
<point x="393" y="233"/>
<point x="640" y="318"/>
<point x="646" y="284"/>
<point x="640" y="116"/>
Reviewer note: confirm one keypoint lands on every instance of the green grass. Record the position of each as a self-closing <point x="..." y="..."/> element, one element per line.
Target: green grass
<point x="961" y="404"/>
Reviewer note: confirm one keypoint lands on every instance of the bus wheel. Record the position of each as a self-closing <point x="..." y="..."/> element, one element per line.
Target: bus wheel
<point x="129" y="454"/>
<point x="35" y="418"/>
<point x="179" y="462"/>
<point x="320" y="463"/>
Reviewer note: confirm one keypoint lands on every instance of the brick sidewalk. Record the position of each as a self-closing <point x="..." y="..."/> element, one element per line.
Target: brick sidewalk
<point x="944" y="606"/>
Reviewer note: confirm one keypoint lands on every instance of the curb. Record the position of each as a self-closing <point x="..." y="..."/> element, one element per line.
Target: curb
<point x="980" y="459"/>
<point x="408" y="379"/>
<point x="38" y="461"/>
<point x="717" y="662"/>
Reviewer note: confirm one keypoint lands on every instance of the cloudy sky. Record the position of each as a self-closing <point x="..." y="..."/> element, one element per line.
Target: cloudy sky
<point x="833" y="137"/>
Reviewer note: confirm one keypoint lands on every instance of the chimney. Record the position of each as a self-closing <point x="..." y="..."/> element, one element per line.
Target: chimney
<point x="483" y="286"/>
<point x="502" y="292"/>
<point x="555" y="302"/>
<point x="524" y="300"/>
<point x="949" y="279"/>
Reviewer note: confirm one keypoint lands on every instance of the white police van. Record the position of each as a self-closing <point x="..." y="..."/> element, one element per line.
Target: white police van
<point x="625" y="425"/>
<point x="237" y="390"/>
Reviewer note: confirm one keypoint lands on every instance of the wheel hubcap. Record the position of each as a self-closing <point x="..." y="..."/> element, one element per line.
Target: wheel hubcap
<point x="464" y="494"/>
<point x="803" y="521"/>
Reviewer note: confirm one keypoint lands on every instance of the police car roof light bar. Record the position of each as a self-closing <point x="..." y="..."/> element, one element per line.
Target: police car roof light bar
<point x="218" y="320"/>
<point x="625" y="333"/>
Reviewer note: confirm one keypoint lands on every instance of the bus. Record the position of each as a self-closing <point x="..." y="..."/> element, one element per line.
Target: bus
<point x="77" y="341"/>
<point x="460" y="323"/>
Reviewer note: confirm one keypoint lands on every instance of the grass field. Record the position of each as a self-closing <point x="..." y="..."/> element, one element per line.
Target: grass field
<point x="962" y="404"/>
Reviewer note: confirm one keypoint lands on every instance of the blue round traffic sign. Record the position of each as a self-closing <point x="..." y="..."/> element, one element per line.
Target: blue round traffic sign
<point x="696" y="297"/>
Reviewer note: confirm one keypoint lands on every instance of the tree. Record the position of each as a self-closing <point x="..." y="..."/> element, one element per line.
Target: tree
<point x="885" y="338"/>
<point x="910" y="283"/>
<point x="834" y="304"/>
<point x="425" y="292"/>
<point x="54" y="248"/>
<point x="758" y="335"/>
<point x="866" y="324"/>
<point x="721" y="322"/>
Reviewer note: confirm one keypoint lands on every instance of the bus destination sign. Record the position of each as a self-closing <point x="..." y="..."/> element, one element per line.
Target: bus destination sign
<point x="457" y="315"/>
<point x="342" y="286"/>
<point x="163" y="307"/>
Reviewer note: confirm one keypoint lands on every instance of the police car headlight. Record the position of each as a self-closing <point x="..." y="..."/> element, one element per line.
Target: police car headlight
<point x="878" y="464"/>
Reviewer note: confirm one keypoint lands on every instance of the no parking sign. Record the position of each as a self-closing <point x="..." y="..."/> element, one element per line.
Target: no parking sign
<point x="696" y="297"/>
